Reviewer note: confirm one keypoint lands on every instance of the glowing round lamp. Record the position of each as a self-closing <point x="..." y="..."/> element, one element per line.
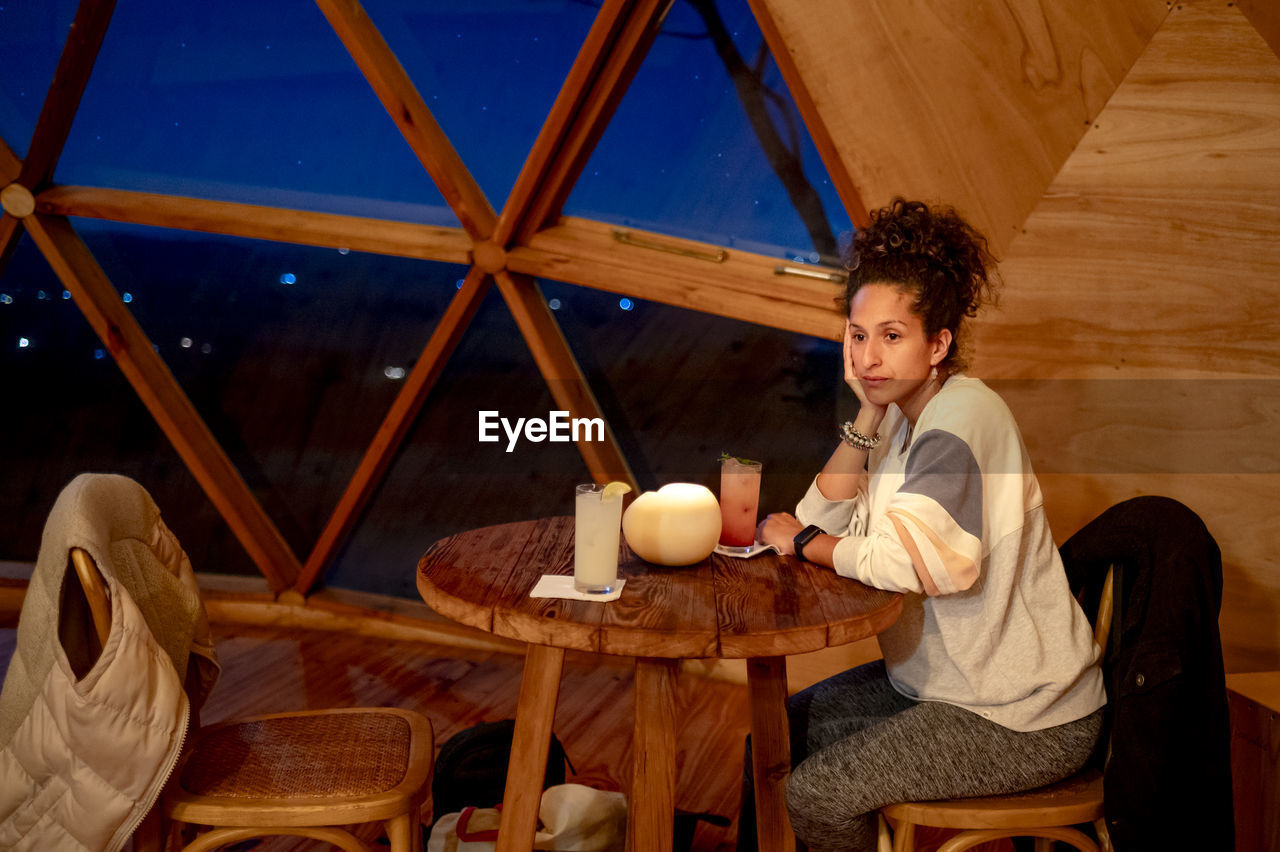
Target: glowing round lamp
<point x="679" y="524"/>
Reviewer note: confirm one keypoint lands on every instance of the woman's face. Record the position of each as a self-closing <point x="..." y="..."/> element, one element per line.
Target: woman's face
<point x="891" y="354"/>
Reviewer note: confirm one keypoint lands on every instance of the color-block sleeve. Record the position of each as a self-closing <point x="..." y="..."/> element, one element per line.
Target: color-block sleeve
<point x="937" y="514"/>
<point x="876" y="558"/>
<point x="930" y="537"/>
<point x="837" y="517"/>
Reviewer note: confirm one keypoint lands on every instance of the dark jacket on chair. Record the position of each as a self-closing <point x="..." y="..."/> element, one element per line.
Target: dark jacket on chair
<point x="1167" y="784"/>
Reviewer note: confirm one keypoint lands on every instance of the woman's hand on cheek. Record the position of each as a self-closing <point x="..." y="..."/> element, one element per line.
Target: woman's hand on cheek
<point x="851" y="378"/>
<point x="779" y="529"/>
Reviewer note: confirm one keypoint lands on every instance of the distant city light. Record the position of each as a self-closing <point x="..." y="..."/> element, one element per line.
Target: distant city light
<point x="23" y="343"/>
<point x="42" y="295"/>
<point x="66" y="294"/>
<point x="457" y="285"/>
<point x="626" y="304"/>
<point x="206" y="348"/>
<point x="394" y="373"/>
<point x="288" y="278"/>
<point x="6" y="299"/>
<point x="554" y="304"/>
<point x="344" y="251"/>
<point x="127" y="298"/>
<point x="99" y="354"/>
<point x="185" y="342"/>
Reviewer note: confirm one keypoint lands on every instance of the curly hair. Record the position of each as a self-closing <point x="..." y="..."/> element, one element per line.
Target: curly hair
<point x="932" y="253"/>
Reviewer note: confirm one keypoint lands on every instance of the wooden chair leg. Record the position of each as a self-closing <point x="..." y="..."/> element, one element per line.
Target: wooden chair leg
<point x="1104" y="836"/>
<point x="904" y="837"/>
<point x="884" y="837"/>
<point x="400" y="832"/>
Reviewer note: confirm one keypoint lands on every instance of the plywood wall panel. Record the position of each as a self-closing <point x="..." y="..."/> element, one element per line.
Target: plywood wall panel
<point x="977" y="103"/>
<point x="1142" y="307"/>
<point x="1155" y="247"/>
<point x="1265" y="17"/>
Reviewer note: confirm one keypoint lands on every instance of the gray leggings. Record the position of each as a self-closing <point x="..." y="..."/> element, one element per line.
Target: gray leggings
<point x="860" y="744"/>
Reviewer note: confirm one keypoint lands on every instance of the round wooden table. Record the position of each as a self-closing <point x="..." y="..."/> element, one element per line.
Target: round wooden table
<point x="760" y="609"/>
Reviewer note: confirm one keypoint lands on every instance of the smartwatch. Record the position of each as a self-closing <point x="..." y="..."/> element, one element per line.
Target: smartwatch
<point x="803" y="537"/>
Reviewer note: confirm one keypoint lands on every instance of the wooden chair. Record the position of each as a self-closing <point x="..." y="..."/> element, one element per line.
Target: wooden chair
<point x="307" y="774"/>
<point x="1046" y="813"/>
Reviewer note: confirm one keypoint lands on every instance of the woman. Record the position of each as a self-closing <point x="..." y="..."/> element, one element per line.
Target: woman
<point x="989" y="682"/>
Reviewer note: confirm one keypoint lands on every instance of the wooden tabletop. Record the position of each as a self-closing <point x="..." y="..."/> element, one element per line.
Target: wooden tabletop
<point x="766" y="606"/>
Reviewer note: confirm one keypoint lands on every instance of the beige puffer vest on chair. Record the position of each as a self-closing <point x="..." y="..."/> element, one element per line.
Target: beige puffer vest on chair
<point x="82" y="760"/>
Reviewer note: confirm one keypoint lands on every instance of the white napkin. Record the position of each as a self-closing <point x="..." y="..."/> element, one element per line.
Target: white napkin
<point x="561" y="586"/>
<point x="756" y="549"/>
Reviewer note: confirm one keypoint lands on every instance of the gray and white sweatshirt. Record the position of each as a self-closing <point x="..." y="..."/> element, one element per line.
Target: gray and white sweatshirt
<point x="988" y="622"/>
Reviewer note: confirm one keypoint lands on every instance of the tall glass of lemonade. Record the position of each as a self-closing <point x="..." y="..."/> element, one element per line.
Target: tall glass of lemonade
<point x="739" y="500"/>
<point x="596" y="527"/>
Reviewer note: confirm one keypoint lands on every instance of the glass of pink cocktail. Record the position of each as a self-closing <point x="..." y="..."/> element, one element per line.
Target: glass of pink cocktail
<point x="739" y="499"/>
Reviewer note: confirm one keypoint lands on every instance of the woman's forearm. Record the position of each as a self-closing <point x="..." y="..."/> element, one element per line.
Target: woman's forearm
<point x="841" y="477"/>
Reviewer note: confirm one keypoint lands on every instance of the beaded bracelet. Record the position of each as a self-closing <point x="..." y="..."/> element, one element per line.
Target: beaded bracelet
<point x="856" y="439"/>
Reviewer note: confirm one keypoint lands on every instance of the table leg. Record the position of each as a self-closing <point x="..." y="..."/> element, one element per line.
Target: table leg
<point x="770" y="751"/>
<point x="653" y="758"/>
<point x="535" y="713"/>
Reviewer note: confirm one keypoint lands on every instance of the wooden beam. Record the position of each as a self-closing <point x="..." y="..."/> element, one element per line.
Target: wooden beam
<point x="395" y="425"/>
<point x="349" y="613"/>
<point x="592" y="57"/>
<point x="846" y="187"/>
<point x="10" y="233"/>
<point x="304" y="227"/>
<point x="69" y="80"/>
<point x="409" y="111"/>
<point x="10" y="164"/>
<point x="563" y="376"/>
<point x="164" y="398"/>
<point x="611" y="74"/>
<point x="744" y="286"/>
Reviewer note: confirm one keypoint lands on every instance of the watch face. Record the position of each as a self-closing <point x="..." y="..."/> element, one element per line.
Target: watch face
<point x="805" y="536"/>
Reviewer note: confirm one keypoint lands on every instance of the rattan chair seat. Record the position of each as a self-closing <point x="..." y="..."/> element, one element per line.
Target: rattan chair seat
<point x="292" y="757"/>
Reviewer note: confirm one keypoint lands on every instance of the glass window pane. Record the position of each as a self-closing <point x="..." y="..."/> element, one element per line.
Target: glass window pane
<point x="707" y="144"/>
<point x="292" y="355"/>
<point x="489" y="72"/>
<point x="71" y="411"/>
<point x="253" y="102"/>
<point x="445" y="480"/>
<point x="33" y="35"/>
<point x="680" y="387"/>
<point x="677" y="387"/>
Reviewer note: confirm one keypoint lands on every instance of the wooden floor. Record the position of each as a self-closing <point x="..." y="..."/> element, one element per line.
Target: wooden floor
<point x="270" y="670"/>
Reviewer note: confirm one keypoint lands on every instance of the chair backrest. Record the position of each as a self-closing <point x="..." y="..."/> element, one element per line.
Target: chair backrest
<point x="95" y="592"/>
<point x="1106" y="604"/>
